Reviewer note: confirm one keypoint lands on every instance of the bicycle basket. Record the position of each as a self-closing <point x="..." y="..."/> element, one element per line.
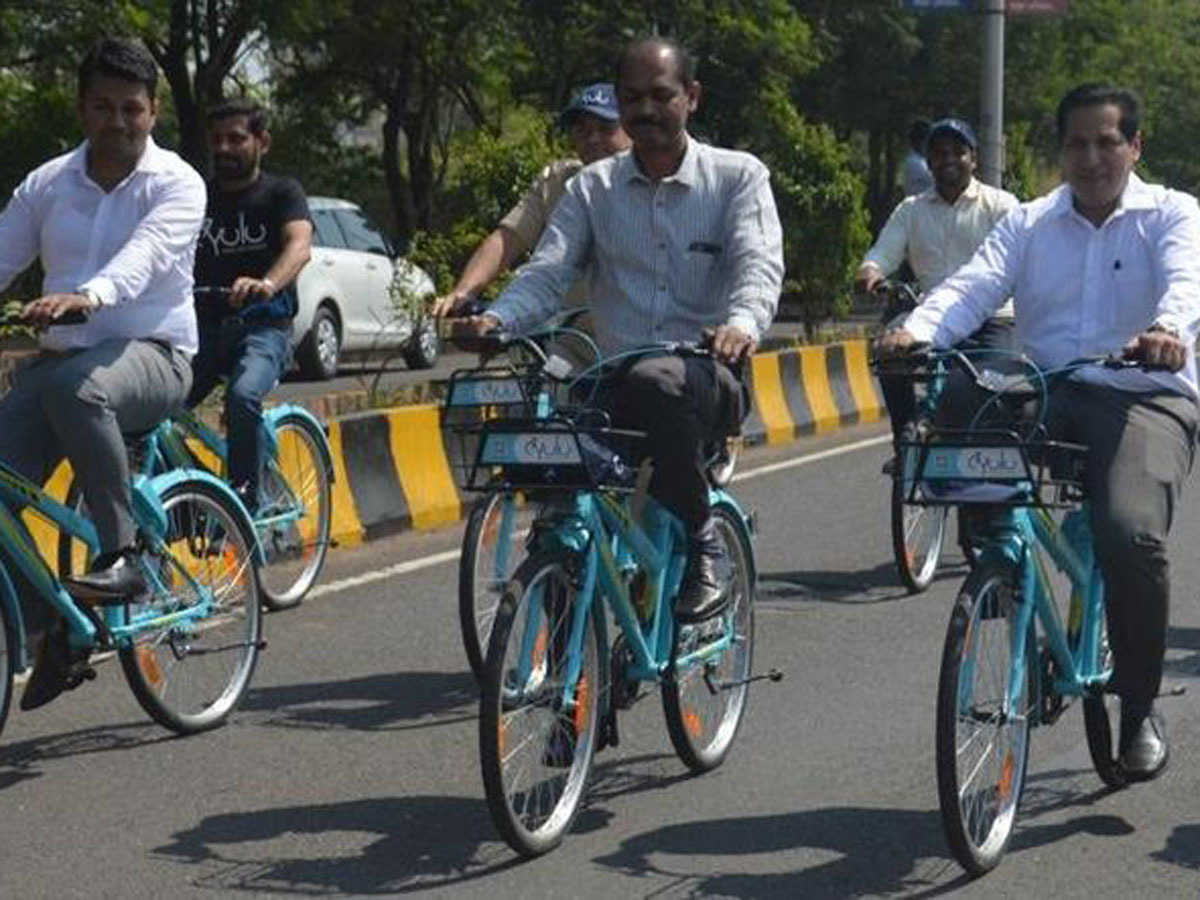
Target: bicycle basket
<point x="552" y="454"/>
<point x="953" y="468"/>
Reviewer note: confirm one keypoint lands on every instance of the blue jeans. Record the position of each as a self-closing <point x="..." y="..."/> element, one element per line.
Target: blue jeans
<point x="254" y="356"/>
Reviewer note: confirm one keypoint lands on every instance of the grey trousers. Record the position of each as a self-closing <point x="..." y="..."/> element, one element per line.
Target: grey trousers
<point x="77" y="404"/>
<point x="1140" y="453"/>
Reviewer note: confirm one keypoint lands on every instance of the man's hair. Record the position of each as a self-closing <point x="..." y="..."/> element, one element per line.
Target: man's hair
<point x="119" y="58"/>
<point x="685" y="63"/>
<point x="1095" y="93"/>
<point x="257" y="118"/>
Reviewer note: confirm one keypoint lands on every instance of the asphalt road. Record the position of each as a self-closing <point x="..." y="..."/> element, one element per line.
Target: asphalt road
<point x="351" y="768"/>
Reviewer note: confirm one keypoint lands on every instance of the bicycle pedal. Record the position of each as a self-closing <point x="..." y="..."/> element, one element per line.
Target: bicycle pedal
<point x="77" y="675"/>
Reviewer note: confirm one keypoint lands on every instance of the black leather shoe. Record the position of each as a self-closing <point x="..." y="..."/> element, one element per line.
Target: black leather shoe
<point x="56" y="668"/>
<point x="1144" y="748"/>
<point x="702" y="596"/>
<point x="111" y="584"/>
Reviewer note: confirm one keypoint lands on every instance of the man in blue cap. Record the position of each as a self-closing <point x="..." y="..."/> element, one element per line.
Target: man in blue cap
<point x="593" y="123"/>
<point x="937" y="231"/>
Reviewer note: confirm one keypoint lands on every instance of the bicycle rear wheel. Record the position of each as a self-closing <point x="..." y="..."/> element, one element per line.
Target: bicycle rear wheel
<point x="918" y="532"/>
<point x="982" y="738"/>
<point x="537" y="731"/>
<point x="704" y="702"/>
<point x="491" y="551"/>
<point x="189" y="671"/>
<point x="293" y="520"/>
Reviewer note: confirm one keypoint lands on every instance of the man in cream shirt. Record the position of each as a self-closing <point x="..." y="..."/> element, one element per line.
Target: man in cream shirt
<point x="937" y="231"/>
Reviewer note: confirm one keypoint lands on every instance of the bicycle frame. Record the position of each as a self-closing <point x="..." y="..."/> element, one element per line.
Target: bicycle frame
<point x="602" y="529"/>
<point x="1070" y="547"/>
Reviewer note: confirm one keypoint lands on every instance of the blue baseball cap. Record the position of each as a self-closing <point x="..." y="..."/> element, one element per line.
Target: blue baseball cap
<point x="599" y="100"/>
<point x="956" y="128"/>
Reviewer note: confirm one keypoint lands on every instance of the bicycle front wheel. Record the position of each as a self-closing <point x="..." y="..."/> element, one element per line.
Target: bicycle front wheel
<point x="8" y="661"/>
<point x="918" y="532"/>
<point x="540" y="708"/>
<point x="982" y="721"/>
<point x="491" y="551"/>
<point x="704" y="700"/>
<point x="198" y="632"/>
<point x="293" y="520"/>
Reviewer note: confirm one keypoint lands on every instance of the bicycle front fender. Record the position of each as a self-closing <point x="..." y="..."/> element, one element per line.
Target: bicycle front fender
<point x="148" y="507"/>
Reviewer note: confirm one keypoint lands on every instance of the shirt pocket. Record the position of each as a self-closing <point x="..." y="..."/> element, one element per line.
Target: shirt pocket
<point x="1133" y="298"/>
<point x="702" y="263"/>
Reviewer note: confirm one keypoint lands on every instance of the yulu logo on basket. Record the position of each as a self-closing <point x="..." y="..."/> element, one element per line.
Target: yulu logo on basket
<point x="486" y="392"/>
<point x="524" y="448"/>
<point x="975" y="462"/>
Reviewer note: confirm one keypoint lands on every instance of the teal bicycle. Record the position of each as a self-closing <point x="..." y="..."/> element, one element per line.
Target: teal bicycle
<point x="553" y="683"/>
<point x="295" y="506"/>
<point x="1009" y="663"/>
<point x="188" y="647"/>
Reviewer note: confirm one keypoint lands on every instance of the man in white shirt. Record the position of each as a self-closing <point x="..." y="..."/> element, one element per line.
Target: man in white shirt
<point x="114" y="223"/>
<point x="1103" y="264"/>
<point x="680" y="238"/>
<point x="937" y="231"/>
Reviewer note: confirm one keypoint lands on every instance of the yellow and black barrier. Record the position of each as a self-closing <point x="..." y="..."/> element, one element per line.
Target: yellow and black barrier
<point x="393" y="470"/>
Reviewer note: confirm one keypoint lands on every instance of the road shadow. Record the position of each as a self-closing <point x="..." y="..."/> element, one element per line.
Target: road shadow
<point x="20" y="761"/>
<point x="1185" y="639"/>
<point x="879" y="584"/>
<point x="383" y="846"/>
<point x="395" y="701"/>
<point x="880" y="852"/>
<point x="1182" y="848"/>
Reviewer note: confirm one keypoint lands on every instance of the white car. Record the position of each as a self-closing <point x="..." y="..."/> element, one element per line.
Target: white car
<point x="345" y="295"/>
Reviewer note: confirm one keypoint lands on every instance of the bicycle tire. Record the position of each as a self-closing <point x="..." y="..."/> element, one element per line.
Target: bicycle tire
<point x="8" y="661"/>
<point x="978" y="816"/>
<point x="1100" y="712"/>
<point x="165" y="664"/>
<point x="296" y="477"/>
<point x="702" y="725"/>
<point x="918" y="532"/>
<point x="490" y="557"/>
<point x="535" y="787"/>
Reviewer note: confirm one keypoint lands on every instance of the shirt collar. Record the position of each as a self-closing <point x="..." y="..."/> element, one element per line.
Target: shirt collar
<point x="1137" y="195"/>
<point x="152" y="158"/>
<point x="687" y="174"/>
<point x="970" y="192"/>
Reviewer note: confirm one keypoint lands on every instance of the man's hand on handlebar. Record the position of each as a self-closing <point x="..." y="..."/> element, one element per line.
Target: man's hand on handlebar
<point x="896" y="343"/>
<point x="52" y="307"/>
<point x="1158" y="349"/>
<point x="246" y="289"/>
<point x="451" y="304"/>
<point x="728" y="343"/>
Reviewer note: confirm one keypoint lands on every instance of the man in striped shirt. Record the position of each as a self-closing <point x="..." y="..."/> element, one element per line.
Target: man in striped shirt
<point x="681" y="240"/>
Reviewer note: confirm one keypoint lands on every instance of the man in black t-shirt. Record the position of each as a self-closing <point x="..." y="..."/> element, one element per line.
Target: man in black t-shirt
<point x="257" y="236"/>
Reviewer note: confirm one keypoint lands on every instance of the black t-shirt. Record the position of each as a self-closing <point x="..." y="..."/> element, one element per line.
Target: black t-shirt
<point x="243" y="235"/>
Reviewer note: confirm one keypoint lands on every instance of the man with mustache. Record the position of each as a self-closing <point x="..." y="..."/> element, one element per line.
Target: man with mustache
<point x="592" y="122"/>
<point x="257" y="237"/>
<point x="114" y="223"/>
<point x="1103" y="264"/>
<point x="937" y="231"/>
<point x="682" y="240"/>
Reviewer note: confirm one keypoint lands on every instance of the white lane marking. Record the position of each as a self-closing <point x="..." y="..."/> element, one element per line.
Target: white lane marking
<point x="446" y="556"/>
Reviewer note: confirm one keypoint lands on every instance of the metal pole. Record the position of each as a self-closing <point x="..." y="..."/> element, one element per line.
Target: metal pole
<point x="991" y="101"/>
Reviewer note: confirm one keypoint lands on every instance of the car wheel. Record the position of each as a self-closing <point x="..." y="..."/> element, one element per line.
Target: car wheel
<point x="321" y="348"/>
<point x="423" y="348"/>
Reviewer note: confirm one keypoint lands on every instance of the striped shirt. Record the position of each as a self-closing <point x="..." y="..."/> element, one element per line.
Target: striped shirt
<point x="668" y="257"/>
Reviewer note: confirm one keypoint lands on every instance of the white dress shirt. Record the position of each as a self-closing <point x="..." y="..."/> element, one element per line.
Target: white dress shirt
<point x="133" y="245"/>
<point x="701" y="247"/>
<point x="937" y="237"/>
<point x="1082" y="290"/>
